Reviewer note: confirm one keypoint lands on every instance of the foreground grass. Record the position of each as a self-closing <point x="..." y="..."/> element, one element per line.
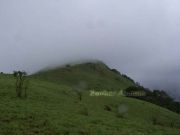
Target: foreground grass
<point x="53" y="109"/>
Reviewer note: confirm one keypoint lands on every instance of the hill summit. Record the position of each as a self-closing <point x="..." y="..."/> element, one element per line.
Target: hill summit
<point x="95" y="75"/>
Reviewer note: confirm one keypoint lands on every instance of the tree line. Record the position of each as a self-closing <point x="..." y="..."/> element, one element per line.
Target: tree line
<point x="158" y="97"/>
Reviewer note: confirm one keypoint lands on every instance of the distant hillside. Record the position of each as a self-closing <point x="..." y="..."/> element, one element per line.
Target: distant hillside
<point x="98" y="76"/>
<point x="95" y="75"/>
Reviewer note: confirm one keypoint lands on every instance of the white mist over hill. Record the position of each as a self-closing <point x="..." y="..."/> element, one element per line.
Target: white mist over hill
<point x="139" y="38"/>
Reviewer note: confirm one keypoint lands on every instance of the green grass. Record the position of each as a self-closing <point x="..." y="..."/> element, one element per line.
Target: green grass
<point x="95" y="75"/>
<point x="54" y="109"/>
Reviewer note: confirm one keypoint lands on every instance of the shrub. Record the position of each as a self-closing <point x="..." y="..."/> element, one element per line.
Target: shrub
<point x="115" y="71"/>
<point x="107" y="108"/>
<point x="79" y="94"/>
<point x="79" y="89"/>
<point x="68" y="66"/>
<point x="122" y="111"/>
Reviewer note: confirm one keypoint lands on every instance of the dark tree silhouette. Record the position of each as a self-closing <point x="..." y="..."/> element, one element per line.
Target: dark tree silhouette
<point x="21" y="83"/>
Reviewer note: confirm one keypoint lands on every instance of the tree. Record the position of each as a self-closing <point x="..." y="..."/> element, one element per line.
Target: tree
<point x="21" y="83"/>
<point x="79" y="89"/>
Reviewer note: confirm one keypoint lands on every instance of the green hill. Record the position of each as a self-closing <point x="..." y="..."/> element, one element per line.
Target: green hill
<point x="95" y="75"/>
<point x="53" y="108"/>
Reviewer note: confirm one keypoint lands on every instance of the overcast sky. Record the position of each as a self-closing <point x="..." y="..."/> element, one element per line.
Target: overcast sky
<point x="138" y="37"/>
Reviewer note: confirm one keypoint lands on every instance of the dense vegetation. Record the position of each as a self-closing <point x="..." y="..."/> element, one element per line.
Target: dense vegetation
<point x="158" y="97"/>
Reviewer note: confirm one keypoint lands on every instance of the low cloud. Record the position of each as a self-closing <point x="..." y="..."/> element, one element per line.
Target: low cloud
<point x="139" y="38"/>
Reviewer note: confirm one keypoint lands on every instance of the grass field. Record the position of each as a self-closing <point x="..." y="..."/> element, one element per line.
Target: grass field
<point x="95" y="76"/>
<point x="54" y="109"/>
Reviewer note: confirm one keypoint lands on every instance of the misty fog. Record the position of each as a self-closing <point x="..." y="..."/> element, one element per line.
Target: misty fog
<point x="139" y="38"/>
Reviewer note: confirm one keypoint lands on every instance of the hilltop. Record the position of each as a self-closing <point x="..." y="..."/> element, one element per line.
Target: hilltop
<point x="95" y="75"/>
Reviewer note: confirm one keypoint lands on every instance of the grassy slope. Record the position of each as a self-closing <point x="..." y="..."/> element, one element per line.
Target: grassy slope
<point x="53" y="109"/>
<point x="95" y="75"/>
